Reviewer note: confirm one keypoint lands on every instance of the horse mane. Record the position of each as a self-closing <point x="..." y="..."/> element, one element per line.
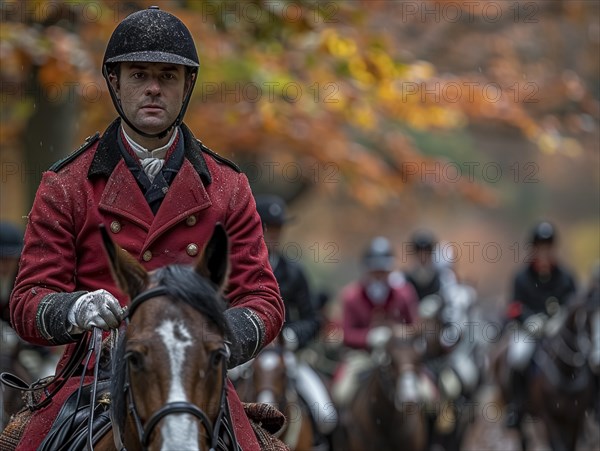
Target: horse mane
<point x="183" y="284"/>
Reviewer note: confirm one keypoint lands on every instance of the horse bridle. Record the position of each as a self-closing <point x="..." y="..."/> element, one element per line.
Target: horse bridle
<point x="145" y="431"/>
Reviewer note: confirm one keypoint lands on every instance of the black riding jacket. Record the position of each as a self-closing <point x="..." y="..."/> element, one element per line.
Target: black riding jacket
<point x="300" y="313"/>
<point x="424" y="287"/>
<point x="535" y="293"/>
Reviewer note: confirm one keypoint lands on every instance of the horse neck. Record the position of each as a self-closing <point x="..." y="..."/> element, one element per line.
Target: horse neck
<point x="565" y="345"/>
<point x="399" y="424"/>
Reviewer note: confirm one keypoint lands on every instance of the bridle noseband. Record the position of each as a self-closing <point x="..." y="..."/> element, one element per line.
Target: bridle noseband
<point x="144" y="431"/>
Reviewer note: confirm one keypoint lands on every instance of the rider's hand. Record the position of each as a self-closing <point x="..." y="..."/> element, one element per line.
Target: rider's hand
<point x="96" y="309"/>
<point x="378" y="337"/>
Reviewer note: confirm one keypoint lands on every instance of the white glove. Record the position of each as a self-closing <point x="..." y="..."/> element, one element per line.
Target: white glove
<point x="378" y="337"/>
<point x="96" y="309"/>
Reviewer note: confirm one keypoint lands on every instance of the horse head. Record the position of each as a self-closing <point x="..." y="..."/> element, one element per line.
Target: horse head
<point x="401" y="366"/>
<point x="270" y="376"/>
<point x="571" y="334"/>
<point x="169" y="367"/>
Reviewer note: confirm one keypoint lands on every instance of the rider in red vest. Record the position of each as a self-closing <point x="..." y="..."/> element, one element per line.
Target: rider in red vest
<point x="160" y="192"/>
<point x="381" y="298"/>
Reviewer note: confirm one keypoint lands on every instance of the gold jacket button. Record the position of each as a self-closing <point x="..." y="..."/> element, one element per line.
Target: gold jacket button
<point x="147" y="256"/>
<point x="191" y="220"/>
<point x="115" y="227"/>
<point x="192" y="249"/>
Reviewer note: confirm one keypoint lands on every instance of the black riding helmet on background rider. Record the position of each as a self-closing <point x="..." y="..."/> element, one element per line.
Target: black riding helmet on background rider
<point x="379" y="255"/>
<point x="151" y="36"/>
<point x="378" y="262"/>
<point x="543" y="239"/>
<point x="543" y="232"/>
<point x="423" y="240"/>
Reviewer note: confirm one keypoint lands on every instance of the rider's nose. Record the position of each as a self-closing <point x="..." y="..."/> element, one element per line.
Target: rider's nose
<point x="153" y="87"/>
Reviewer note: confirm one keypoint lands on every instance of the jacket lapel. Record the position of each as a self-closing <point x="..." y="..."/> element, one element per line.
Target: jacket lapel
<point x="185" y="197"/>
<point x="122" y="196"/>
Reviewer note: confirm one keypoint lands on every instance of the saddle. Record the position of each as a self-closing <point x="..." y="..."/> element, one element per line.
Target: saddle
<point x="73" y="425"/>
<point x="70" y="429"/>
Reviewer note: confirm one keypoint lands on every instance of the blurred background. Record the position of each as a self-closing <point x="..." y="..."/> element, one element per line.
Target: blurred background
<point x="474" y="119"/>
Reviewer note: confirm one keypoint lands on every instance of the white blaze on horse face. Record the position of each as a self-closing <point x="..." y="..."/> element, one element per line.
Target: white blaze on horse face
<point x="267" y="361"/>
<point x="179" y="431"/>
<point x="407" y="389"/>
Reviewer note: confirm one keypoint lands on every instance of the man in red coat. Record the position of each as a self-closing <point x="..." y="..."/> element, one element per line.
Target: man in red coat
<point x="371" y="305"/>
<point x="160" y="192"/>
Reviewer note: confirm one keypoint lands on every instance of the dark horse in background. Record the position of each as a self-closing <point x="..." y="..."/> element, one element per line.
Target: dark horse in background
<point x="560" y="382"/>
<point x="453" y="361"/>
<point x="386" y="413"/>
<point x="270" y="383"/>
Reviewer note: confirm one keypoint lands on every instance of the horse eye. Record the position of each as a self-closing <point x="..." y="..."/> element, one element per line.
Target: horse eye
<point x="136" y="360"/>
<point x="216" y="358"/>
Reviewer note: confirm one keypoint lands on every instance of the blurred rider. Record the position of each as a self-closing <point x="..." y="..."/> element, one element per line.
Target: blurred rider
<point x="429" y="272"/>
<point x="540" y="288"/>
<point x="301" y="319"/>
<point x="380" y="299"/>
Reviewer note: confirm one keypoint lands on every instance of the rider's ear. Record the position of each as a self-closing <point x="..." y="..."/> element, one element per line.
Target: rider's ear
<point x="129" y="275"/>
<point x="214" y="262"/>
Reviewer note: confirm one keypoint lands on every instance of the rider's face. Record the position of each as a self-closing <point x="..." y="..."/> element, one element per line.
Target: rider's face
<point x="151" y="94"/>
<point x="543" y="255"/>
<point x="424" y="257"/>
<point x="377" y="276"/>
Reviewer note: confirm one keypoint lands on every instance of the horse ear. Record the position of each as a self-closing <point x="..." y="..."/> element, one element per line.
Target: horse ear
<point x="129" y="275"/>
<point x="214" y="262"/>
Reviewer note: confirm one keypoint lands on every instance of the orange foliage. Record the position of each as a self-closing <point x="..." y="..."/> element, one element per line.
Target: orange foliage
<point x="328" y="82"/>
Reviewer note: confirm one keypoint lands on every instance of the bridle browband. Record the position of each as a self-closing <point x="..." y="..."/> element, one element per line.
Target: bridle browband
<point x="144" y="431"/>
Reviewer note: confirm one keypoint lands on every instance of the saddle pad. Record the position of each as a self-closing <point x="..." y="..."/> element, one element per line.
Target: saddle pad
<point x="13" y="432"/>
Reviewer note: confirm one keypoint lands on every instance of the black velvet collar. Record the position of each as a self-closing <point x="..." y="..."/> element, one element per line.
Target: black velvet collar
<point x="107" y="154"/>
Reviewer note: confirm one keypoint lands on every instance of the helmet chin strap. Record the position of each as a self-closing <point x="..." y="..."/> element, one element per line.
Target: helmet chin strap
<point x="117" y="103"/>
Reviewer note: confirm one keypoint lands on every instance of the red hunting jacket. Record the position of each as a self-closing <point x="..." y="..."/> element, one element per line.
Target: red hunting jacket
<point x="63" y="256"/>
<point x="360" y="314"/>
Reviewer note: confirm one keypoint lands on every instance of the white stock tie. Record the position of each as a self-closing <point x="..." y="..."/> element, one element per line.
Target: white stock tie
<point x="152" y="166"/>
<point x="152" y="161"/>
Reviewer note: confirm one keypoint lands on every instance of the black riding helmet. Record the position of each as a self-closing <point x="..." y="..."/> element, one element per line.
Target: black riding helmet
<point x="151" y="36"/>
<point x="379" y="255"/>
<point x="543" y="232"/>
<point x="271" y="209"/>
<point x="423" y="240"/>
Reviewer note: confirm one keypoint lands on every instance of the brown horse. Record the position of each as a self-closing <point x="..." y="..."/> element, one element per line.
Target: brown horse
<point x="168" y="384"/>
<point x="386" y="413"/>
<point x="271" y="384"/>
<point x="560" y="383"/>
<point x="450" y="357"/>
